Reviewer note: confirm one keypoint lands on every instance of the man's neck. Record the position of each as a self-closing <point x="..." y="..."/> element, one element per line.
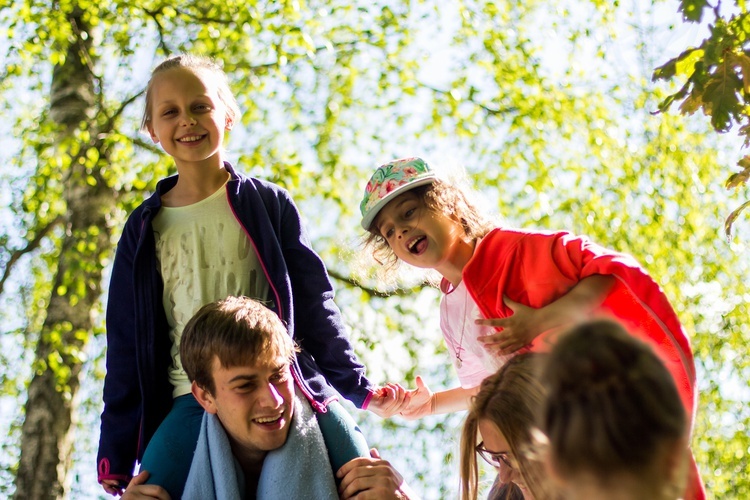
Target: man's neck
<point x="251" y="463"/>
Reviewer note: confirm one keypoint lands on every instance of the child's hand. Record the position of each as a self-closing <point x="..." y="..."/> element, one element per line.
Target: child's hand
<point x="518" y="330"/>
<point x="112" y="486"/>
<point x="136" y="490"/>
<point x="420" y="403"/>
<point x="389" y="400"/>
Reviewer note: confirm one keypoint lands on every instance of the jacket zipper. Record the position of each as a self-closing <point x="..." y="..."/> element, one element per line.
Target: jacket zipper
<point x="297" y="376"/>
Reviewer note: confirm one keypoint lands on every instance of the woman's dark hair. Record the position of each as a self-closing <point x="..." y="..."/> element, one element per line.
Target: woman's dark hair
<point x="611" y="403"/>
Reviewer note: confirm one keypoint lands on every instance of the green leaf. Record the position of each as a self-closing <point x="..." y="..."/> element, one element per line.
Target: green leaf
<point x="732" y="218"/>
<point x="740" y="178"/>
<point x="692" y="10"/>
<point x="721" y="99"/>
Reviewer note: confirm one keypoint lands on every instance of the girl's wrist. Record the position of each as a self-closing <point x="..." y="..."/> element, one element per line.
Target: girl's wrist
<point x="553" y="317"/>
<point x="433" y="403"/>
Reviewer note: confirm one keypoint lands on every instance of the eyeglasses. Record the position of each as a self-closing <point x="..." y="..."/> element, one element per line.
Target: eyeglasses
<point x="492" y="457"/>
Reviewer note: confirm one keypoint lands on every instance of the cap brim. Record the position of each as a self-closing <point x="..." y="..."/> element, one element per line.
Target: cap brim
<point x="375" y="210"/>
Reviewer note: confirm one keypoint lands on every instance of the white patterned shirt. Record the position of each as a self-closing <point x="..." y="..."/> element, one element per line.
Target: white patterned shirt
<point x="204" y="255"/>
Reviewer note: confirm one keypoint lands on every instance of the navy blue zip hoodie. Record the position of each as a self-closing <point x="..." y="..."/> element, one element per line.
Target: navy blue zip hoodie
<point x="137" y="392"/>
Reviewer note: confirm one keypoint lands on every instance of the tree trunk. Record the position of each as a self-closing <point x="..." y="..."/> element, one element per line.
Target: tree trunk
<point x="47" y="433"/>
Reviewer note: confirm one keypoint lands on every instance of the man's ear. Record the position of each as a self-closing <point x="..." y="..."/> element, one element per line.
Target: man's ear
<point x="204" y="398"/>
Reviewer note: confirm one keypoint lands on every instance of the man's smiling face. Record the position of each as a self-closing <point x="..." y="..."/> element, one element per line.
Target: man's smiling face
<point x="254" y="403"/>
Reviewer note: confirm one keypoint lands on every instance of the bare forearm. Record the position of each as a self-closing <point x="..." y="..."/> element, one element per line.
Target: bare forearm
<point x="452" y="400"/>
<point x="578" y="303"/>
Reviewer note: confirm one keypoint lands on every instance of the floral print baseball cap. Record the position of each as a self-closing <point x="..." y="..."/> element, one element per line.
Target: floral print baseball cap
<point x="389" y="181"/>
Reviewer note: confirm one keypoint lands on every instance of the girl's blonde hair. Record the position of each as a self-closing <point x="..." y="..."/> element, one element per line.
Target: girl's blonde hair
<point x="511" y="399"/>
<point x="196" y="63"/>
<point x="612" y="406"/>
<point x="440" y="197"/>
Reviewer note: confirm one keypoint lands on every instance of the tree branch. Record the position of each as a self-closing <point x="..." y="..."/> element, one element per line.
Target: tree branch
<point x="151" y="148"/>
<point x="110" y="124"/>
<point x="30" y="247"/>
<point x="205" y="19"/>
<point x="487" y="109"/>
<point x="374" y="292"/>
<point x="154" y="14"/>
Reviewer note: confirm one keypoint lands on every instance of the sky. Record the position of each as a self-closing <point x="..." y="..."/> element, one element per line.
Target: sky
<point x="670" y="42"/>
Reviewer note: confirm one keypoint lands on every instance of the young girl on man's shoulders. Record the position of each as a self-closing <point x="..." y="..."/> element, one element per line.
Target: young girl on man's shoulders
<point x="207" y="233"/>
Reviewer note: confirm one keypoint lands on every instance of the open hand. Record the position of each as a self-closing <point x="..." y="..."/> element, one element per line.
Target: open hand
<point x="420" y="403"/>
<point x="518" y="330"/>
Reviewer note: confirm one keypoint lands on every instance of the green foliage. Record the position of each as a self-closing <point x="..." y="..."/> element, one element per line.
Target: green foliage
<point x="717" y="80"/>
<point x="692" y="10"/>
<point x="538" y="101"/>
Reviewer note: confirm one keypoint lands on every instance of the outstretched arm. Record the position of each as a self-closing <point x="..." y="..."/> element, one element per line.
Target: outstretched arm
<point x="388" y="400"/>
<point x="424" y="402"/>
<point x="526" y="323"/>
<point x="319" y="327"/>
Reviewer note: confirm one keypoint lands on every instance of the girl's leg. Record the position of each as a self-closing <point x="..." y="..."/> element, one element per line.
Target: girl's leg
<point x="342" y="436"/>
<point x="170" y="452"/>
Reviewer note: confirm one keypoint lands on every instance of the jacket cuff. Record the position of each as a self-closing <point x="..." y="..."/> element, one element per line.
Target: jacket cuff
<point x="367" y="400"/>
<point x="104" y="473"/>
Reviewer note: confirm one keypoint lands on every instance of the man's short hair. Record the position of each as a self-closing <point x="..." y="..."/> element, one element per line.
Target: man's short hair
<point x="237" y="330"/>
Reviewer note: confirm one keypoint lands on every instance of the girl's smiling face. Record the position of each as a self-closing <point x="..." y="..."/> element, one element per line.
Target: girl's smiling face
<point x="188" y="117"/>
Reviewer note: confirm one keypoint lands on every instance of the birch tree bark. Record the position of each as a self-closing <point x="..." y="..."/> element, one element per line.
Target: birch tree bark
<point x="47" y="436"/>
<point x="535" y="99"/>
